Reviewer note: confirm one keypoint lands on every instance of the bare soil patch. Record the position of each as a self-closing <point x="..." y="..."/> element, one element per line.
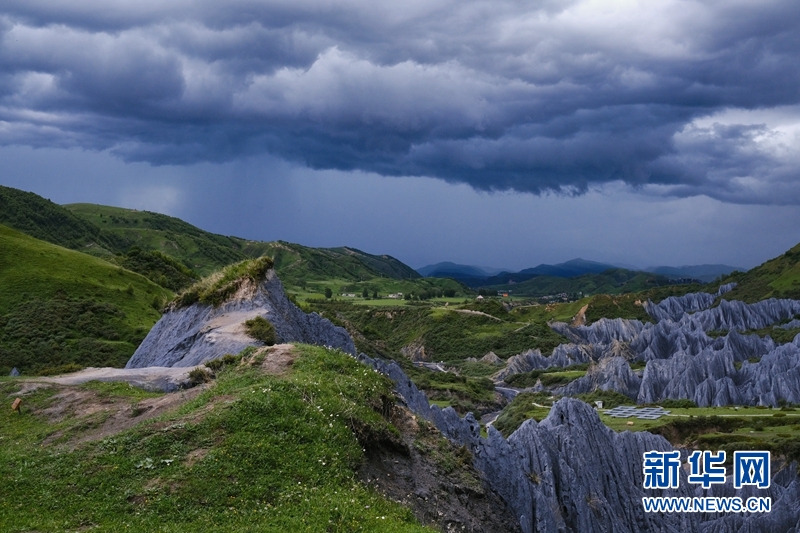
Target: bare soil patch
<point x="278" y="359"/>
<point x="580" y="318"/>
<point x="100" y="416"/>
<point x="435" y="479"/>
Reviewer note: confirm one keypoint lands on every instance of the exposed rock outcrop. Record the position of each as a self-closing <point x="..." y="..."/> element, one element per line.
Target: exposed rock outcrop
<point x="201" y="332"/>
<point x="491" y="358"/>
<point x="613" y="373"/>
<point x="571" y="473"/>
<point x="674" y="307"/>
<point x="415" y="351"/>
<point x="792" y="324"/>
<point x="683" y="360"/>
<point x="154" y="378"/>
<point x="563" y="355"/>
<point x="604" y="331"/>
<point x="741" y="316"/>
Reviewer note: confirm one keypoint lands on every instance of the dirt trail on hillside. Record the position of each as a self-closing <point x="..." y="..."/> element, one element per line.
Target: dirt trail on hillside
<point x="154" y="378"/>
<point x="580" y="318"/>
<point x="94" y="414"/>
<point x="471" y="312"/>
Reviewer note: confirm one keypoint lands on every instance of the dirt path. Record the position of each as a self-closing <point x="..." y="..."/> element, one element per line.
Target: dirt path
<point x="580" y="318"/>
<point x="471" y="312"/>
<point x="99" y="414"/>
<point x="153" y="378"/>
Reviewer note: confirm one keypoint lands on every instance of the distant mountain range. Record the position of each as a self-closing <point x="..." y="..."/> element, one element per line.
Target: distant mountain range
<point x="706" y="273"/>
<point x="475" y="276"/>
<point x="468" y="271"/>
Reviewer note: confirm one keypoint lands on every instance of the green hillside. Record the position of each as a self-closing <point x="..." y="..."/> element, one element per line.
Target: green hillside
<point x="61" y="307"/>
<point x="776" y="278"/>
<point x="614" y="281"/>
<point x="113" y="232"/>
<point x="41" y="218"/>
<point x="206" y="252"/>
<point x="200" y="250"/>
<point x="297" y="264"/>
<point x="254" y="452"/>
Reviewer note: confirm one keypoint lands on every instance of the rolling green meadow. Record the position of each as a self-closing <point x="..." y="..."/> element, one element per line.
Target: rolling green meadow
<point x="61" y="309"/>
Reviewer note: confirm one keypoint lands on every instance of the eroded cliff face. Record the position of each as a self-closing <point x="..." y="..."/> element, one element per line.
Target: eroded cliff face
<point x="571" y="473"/>
<point x="201" y="332"/>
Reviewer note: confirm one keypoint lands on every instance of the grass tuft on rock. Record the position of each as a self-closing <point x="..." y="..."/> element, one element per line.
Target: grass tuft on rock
<point x="220" y="286"/>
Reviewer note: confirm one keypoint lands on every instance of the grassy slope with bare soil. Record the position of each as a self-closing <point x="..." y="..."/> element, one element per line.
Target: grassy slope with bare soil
<point x="250" y="452"/>
<point x="283" y="439"/>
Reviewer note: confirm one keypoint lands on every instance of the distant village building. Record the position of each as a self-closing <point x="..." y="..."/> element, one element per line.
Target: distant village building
<point x="480" y="297"/>
<point x="349" y="295"/>
<point x="396" y="296"/>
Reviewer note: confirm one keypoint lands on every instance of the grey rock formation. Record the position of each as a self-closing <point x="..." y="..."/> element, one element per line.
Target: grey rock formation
<point x="775" y="377"/>
<point x="491" y="358"/>
<point x="524" y="362"/>
<point x="200" y="332"/>
<point x="789" y="325"/>
<point x="613" y="373"/>
<point x="604" y="331"/>
<point x="741" y="316"/>
<point x="563" y="355"/>
<point x="666" y="338"/>
<point x="704" y="378"/>
<point x="674" y="307"/>
<point x="683" y="362"/>
<point x="571" y="473"/>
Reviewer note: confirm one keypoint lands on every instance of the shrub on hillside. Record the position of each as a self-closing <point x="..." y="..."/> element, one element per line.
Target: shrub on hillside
<point x="678" y="404"/>
<point x="227" y="359"/>
<point x="261" y="330"/>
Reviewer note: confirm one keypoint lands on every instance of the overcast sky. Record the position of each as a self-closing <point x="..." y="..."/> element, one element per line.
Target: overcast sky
<point x="491" y="133"/>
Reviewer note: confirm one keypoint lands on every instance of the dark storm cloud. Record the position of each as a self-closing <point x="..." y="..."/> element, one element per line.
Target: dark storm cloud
<point x="499" y="95"/>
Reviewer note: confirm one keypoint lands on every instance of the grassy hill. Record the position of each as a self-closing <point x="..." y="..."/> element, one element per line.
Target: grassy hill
<point x="112" y="232"/>
<point x="205" y="252"/>
<point x="297" y="264"/>
<point x="47" y="221"/>
<point x="776" y="278"/>
<point x="60" y="307"/>
<point x="202" y="251"/>
<point x="254" y="451"/>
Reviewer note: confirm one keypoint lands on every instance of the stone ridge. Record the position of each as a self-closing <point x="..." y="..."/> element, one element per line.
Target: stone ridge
<point x="571" y="473"/>
<point x="675" y="307"/>
<point x="682" y="360"/>
<point x="201" y="332"/>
